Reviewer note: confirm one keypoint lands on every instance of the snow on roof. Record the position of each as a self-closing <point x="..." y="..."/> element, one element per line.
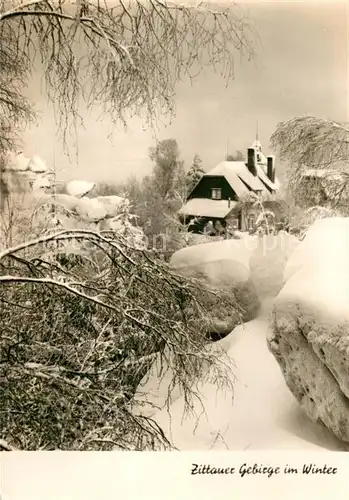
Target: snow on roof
<point x="203" y="207"/>
<point x="79" y="188"/>
<point x="237" y="173"/>
<point x="265" y="179"/>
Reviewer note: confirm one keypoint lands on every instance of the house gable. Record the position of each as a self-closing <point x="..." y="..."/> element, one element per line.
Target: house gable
<point x="204" y="188"/>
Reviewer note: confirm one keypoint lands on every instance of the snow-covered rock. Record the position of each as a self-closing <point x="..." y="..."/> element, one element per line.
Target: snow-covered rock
<point x="37" y="165"/>
<point x="310" y="325"/>
<point x="259" y="414"/>
<point x="79" y="188"/>
<point x="17" y="162"/>
<point x="223" y="265"/>
<point x="23" y="175"/>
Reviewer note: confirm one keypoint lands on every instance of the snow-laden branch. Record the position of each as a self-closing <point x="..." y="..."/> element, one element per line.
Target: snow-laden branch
<point x="317" y="154"/>
<point x="126" y="56"/>
<point x="59" y="284"/>
<point x="67" y="234"/>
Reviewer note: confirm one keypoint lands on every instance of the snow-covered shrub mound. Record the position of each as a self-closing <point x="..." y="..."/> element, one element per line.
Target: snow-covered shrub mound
<point x="86" y="209"/>
<point x="223" y="265"/>
<point x="269" y="260"/>
<point x="90" y="209"/>
<point x="103" y="213"/>
<point x="310" y="326"/>
<point x="112" y="204"/>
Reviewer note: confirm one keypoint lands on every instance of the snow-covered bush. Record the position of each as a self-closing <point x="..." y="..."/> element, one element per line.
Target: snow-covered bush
<point x="78" y="335"/>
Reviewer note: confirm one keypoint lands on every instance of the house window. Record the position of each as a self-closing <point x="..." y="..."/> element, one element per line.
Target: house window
<point x="216" y="194"/>
<point x="251" y="219"/>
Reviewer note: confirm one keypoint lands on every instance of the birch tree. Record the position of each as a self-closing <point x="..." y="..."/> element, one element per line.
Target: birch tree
<point x="77" y="339"/>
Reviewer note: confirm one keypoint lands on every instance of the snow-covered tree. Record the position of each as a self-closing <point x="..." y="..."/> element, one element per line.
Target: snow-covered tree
<point x="195" y="173"/>
<point x="76" y="340"/>
<point x="168" y="172"/>
<point x="125" y="56"/>
<point x="316" y="152"/>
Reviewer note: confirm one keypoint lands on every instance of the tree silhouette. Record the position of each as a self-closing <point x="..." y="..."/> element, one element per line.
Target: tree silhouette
<point x="238" y="156"/>
<point x="195" y="173"/>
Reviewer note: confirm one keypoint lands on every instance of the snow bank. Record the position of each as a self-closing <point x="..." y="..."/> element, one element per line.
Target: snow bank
<point x="268" y="262"/>
<point x="223" y="264"/>
<point x="261" y="414"/>
<point x="310" y="329"/>
<point x="327" y="240"/>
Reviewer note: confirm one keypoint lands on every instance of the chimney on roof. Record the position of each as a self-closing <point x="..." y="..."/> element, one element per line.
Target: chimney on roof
<point x="252" y="161"/>
<point x="271" y="168"/>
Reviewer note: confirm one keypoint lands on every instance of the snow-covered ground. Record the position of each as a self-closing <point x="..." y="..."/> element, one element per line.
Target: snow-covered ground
<point x="261" y="414"/>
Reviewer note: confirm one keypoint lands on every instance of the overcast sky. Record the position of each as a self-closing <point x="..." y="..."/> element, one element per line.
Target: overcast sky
<point x="301" y="69"/>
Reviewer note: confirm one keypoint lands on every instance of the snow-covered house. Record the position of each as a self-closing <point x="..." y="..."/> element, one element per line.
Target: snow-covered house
<point x="224" y="193"/>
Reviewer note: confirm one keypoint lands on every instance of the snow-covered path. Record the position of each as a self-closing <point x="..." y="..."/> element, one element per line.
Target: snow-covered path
<point x="262" y="413"/>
